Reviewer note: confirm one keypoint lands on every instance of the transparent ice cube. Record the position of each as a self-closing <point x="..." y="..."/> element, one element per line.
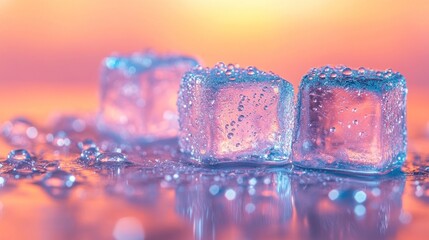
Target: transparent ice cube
<point x="139" y="93"/>
<point x="351" y="120"/>
<point x="231" y="114"/>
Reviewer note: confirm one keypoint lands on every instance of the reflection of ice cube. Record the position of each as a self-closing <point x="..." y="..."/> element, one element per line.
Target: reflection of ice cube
<point x="248" y="204"/>
<point x="229" y="113"/>
<point x="337" y="207"/>
<point x="351" y="120"/>
<point x="139" y="93"/>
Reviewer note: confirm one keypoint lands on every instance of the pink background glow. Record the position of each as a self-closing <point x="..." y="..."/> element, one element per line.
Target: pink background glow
<point x="50" y="51"/>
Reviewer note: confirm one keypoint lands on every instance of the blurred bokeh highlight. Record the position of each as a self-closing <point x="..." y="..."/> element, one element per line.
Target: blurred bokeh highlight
<point x="50" y="50"/>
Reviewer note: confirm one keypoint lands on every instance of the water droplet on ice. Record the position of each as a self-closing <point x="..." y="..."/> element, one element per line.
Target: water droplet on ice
<point x="240" y="118"/>
<point x="240" y="107"/>
<point x="251" y="71"/>
<point x="332" y="129"/>
<point x="361" y="71"/>
<point x="347" y="72"/>
<point x="333" y="75"/>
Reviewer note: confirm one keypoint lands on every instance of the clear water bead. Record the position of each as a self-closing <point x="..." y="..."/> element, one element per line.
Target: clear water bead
<point x="89" y="156"/>
<point x="111" y="157"/>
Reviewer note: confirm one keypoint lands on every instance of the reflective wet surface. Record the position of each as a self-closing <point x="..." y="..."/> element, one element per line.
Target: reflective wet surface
<point x="149" y="191"/>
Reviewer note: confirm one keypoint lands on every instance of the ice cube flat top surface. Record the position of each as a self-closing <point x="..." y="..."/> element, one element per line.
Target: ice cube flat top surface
<point x="362" y="78"/>
<point x="351" y="120"/>
<point x="223" y="74"/>
<point x="229" y="112"/>
<point x="142" y="61"/>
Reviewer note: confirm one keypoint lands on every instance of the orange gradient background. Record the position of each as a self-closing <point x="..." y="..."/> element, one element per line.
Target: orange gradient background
<point x="50" y="51"/>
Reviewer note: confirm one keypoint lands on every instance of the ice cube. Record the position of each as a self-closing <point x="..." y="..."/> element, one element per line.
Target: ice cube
<point x="139" y="93"/>
<point x="231" y="114"/>
<point x="351" y="120"/>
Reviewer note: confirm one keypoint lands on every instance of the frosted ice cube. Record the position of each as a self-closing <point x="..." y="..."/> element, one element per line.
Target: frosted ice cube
<point x="139" y="93"/>
<point x="351" y="120"/>
<point x="231" y="114"/>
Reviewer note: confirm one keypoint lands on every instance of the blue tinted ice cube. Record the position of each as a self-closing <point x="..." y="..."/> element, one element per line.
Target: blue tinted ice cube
<point x="351" y="120"/>
<point x="231" y="114"/>
<point x="139" y="93"/>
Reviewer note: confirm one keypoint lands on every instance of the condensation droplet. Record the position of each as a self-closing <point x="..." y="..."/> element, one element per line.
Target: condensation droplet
<point x="347" y="72"/>
<point x="89" y="156"/>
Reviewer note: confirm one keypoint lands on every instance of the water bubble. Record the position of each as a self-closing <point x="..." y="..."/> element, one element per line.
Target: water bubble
<point x="230" y="135"/>
<point x="19" y="155"/>
<point x="59" y="179"/>
<point x="231" y="66"/>
<point x="111" y="157"/>
<point x="21" y="161"/>
<point x="240" y="118"/>
<point x="327" y="69"/>
<point x="361" y="70"/>
<point x="86" y="144"/>
<point x="89" y="156"/>
<point x="250" y="71"/>
<point x="347" y="72"/>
